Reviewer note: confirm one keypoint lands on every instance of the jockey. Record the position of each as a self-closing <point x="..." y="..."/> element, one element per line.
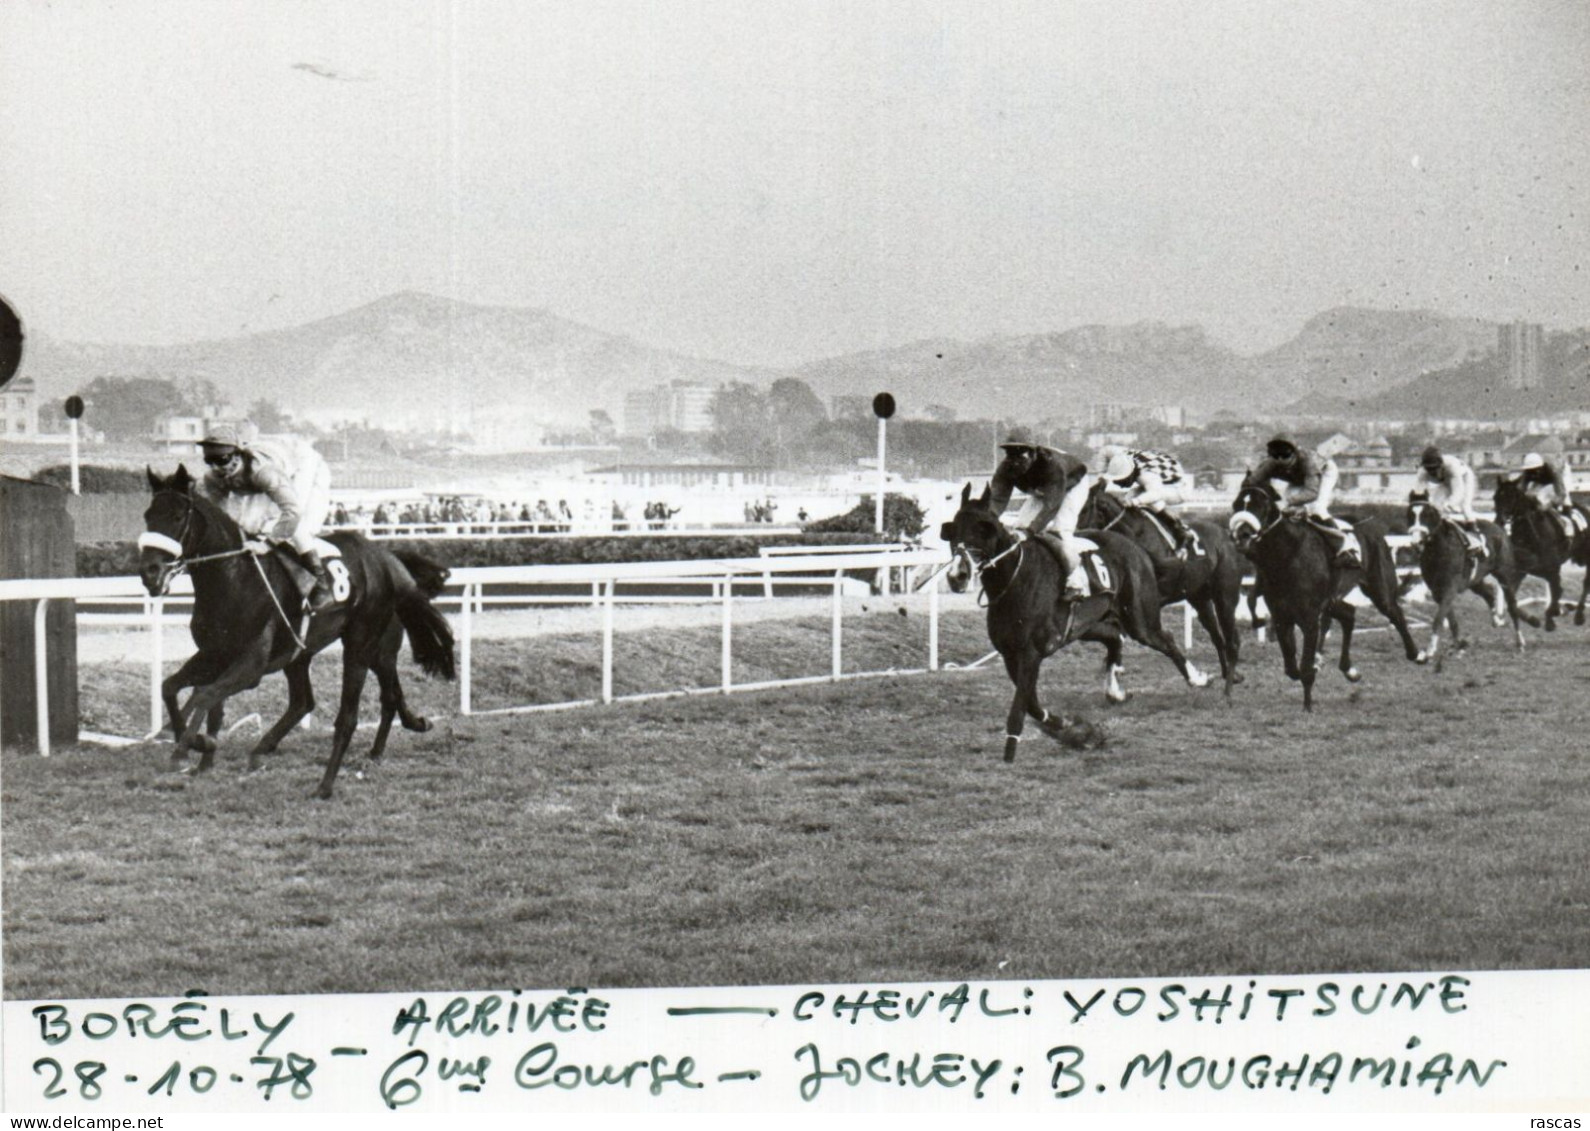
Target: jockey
<point x="1449" y="484"/>
<point x="275" y="489"/>
<point x="1150" y="481"/>
<point x="1056" y="484"/>
<point x="1546" y="483"/>
<point x="1307" y="480"/>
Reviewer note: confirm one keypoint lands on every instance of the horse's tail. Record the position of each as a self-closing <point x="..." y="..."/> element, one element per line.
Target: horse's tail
<point x="430" y="636"/>
<point x="428" y="575"/>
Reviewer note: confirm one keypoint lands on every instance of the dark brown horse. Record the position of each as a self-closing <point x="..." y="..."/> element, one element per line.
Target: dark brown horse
<point x="1303" y="584"/>
<point x="1028" y="619"/>
<point x="1448" y="569"/>
<point x="1210" y="582"/>
<point x="1542" y="546"/>
<point x="247" y="622"/>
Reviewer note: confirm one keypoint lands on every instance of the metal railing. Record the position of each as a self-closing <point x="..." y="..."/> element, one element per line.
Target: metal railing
<point x="473" y="586"/>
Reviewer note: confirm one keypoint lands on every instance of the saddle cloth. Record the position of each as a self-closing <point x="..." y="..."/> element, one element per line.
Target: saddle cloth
<point x="1094" y="569"/>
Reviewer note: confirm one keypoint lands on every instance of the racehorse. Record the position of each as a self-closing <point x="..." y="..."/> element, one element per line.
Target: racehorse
<point x="1448" y="569"/>
<point x="1542" y="546"/>
<point x="1211" y="583"/>
<point x="246" y="608"/>
<point x="1304" y="587"/>
<point x="1028" y="619"/>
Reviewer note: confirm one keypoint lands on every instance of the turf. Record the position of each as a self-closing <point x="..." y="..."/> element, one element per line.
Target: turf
<point x="850" y="832"/>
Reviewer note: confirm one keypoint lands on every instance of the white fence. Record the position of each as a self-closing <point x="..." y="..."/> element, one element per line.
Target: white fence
<point x="480" y="587"/>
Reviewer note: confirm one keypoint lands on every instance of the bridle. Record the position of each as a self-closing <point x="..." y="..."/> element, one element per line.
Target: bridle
<point x="1244" y="517"/>
<point x="178" y="547"/>
<point x="981" y="566"/>
<point x="180" y="561"/>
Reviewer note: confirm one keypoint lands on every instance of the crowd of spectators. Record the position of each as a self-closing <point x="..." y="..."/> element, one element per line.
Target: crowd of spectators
<point x="466" y="515"/>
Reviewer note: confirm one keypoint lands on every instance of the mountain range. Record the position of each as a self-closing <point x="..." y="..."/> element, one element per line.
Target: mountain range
<point x="419" y="361"/>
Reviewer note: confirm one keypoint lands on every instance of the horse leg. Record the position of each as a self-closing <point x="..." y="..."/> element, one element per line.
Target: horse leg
<point x="392" y="704"/>
<point x="1310" y="653"/>
<point x="209" y="741"/>
<point x="1205" y="608"/>
<point x="1584" y="589"/>
<point x="1016" y="717"/>
<point x="200" y="668"/>
<point x="1151" y="633"/>
<point x="1113" y="669"/>
<point x="300" y="701"/>
<point x="1553" y="596"/>
<point x="244" y="673"/>
<point x="1343" y="613"/>
<point x="1225" y="604"/>
<point x="1432" y="651"/>
<point x="1286" y="637"/>
<point x="353" y="675"/>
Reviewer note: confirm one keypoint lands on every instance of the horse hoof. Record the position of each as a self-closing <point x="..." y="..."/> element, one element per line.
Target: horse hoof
<point x="1353" y="675"/>
<point x="1196" y="678"/>
<point x="1422" y="658"/>
<point x="1117" y="696"/>
<point x="1236" y="676"/>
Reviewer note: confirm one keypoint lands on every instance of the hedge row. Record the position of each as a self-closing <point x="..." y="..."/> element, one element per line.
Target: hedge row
<point x="120" y="559"/>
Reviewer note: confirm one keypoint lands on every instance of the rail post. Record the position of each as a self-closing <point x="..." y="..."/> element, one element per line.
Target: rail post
<point x="41" y="676"/>
<point x="838" y="620"/>
<point x="933" y="624"/>
<point x="728" y="618"/>
<point x="607" y="640"/>
<point x="466" y="626"/>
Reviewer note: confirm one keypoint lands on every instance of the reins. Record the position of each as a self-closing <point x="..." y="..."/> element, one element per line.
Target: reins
<point x="984" y="567"/>
<point x="182" y="562"/>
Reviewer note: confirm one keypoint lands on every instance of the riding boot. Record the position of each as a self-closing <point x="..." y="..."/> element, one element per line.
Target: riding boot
<point x="1076" y="584"/>
<point x="1475" y="542"/>
<point x="320" y="596"/>
<point x="1187" y="544"/>
<point x="1348" y="553"/>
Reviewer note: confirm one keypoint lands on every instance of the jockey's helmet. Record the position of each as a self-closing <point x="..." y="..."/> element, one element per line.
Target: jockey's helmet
<point x="1280" y="448"/>
<point x="222" y="435"/>
<point x="1115" y="462"/>
<point x="1020" y="438"/>
<point x="1431" y="458"/>
<point x="1532" y="461"/>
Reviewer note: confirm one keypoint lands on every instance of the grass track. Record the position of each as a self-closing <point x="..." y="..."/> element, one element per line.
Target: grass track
<point x="855" y="832"/>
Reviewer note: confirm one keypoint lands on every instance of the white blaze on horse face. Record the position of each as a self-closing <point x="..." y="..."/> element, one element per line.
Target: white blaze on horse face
<point x="1240" y="521"/>
<point x="960" y="571"/>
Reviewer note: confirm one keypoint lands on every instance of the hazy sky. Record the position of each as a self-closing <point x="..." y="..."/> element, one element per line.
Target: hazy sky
<point x="776" y="182"/>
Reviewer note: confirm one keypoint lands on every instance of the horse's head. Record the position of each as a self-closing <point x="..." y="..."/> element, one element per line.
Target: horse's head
<point x="974" y="536"/>
<point x="1422" y="517"/>
<point x="1099" y="507"/>
<point x="1255" y="508"/>
<point x="1511" y="500"/>
<point x="168" y="530"/>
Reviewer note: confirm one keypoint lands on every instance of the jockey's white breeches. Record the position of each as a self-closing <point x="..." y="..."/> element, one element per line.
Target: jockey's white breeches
<point x="1453" y="500"/>
<point x="1150" y="493"/>
<point x="1320" y="505"/>
<point x="1064" y="522"/>
<point x="257" y="514"/>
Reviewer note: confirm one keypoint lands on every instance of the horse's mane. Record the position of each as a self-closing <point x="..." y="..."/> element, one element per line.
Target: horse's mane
<point x="213" y="514"/>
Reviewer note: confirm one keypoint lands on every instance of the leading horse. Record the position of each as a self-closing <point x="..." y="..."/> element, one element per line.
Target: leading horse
<point x="1211" y="582"/>
<point x="246" y="624"/>
<point x="1303" y="585"/>
<point x="1029" y="619"/>
<point x="1542" y="546"/>
<point x="1447" y="569"/>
